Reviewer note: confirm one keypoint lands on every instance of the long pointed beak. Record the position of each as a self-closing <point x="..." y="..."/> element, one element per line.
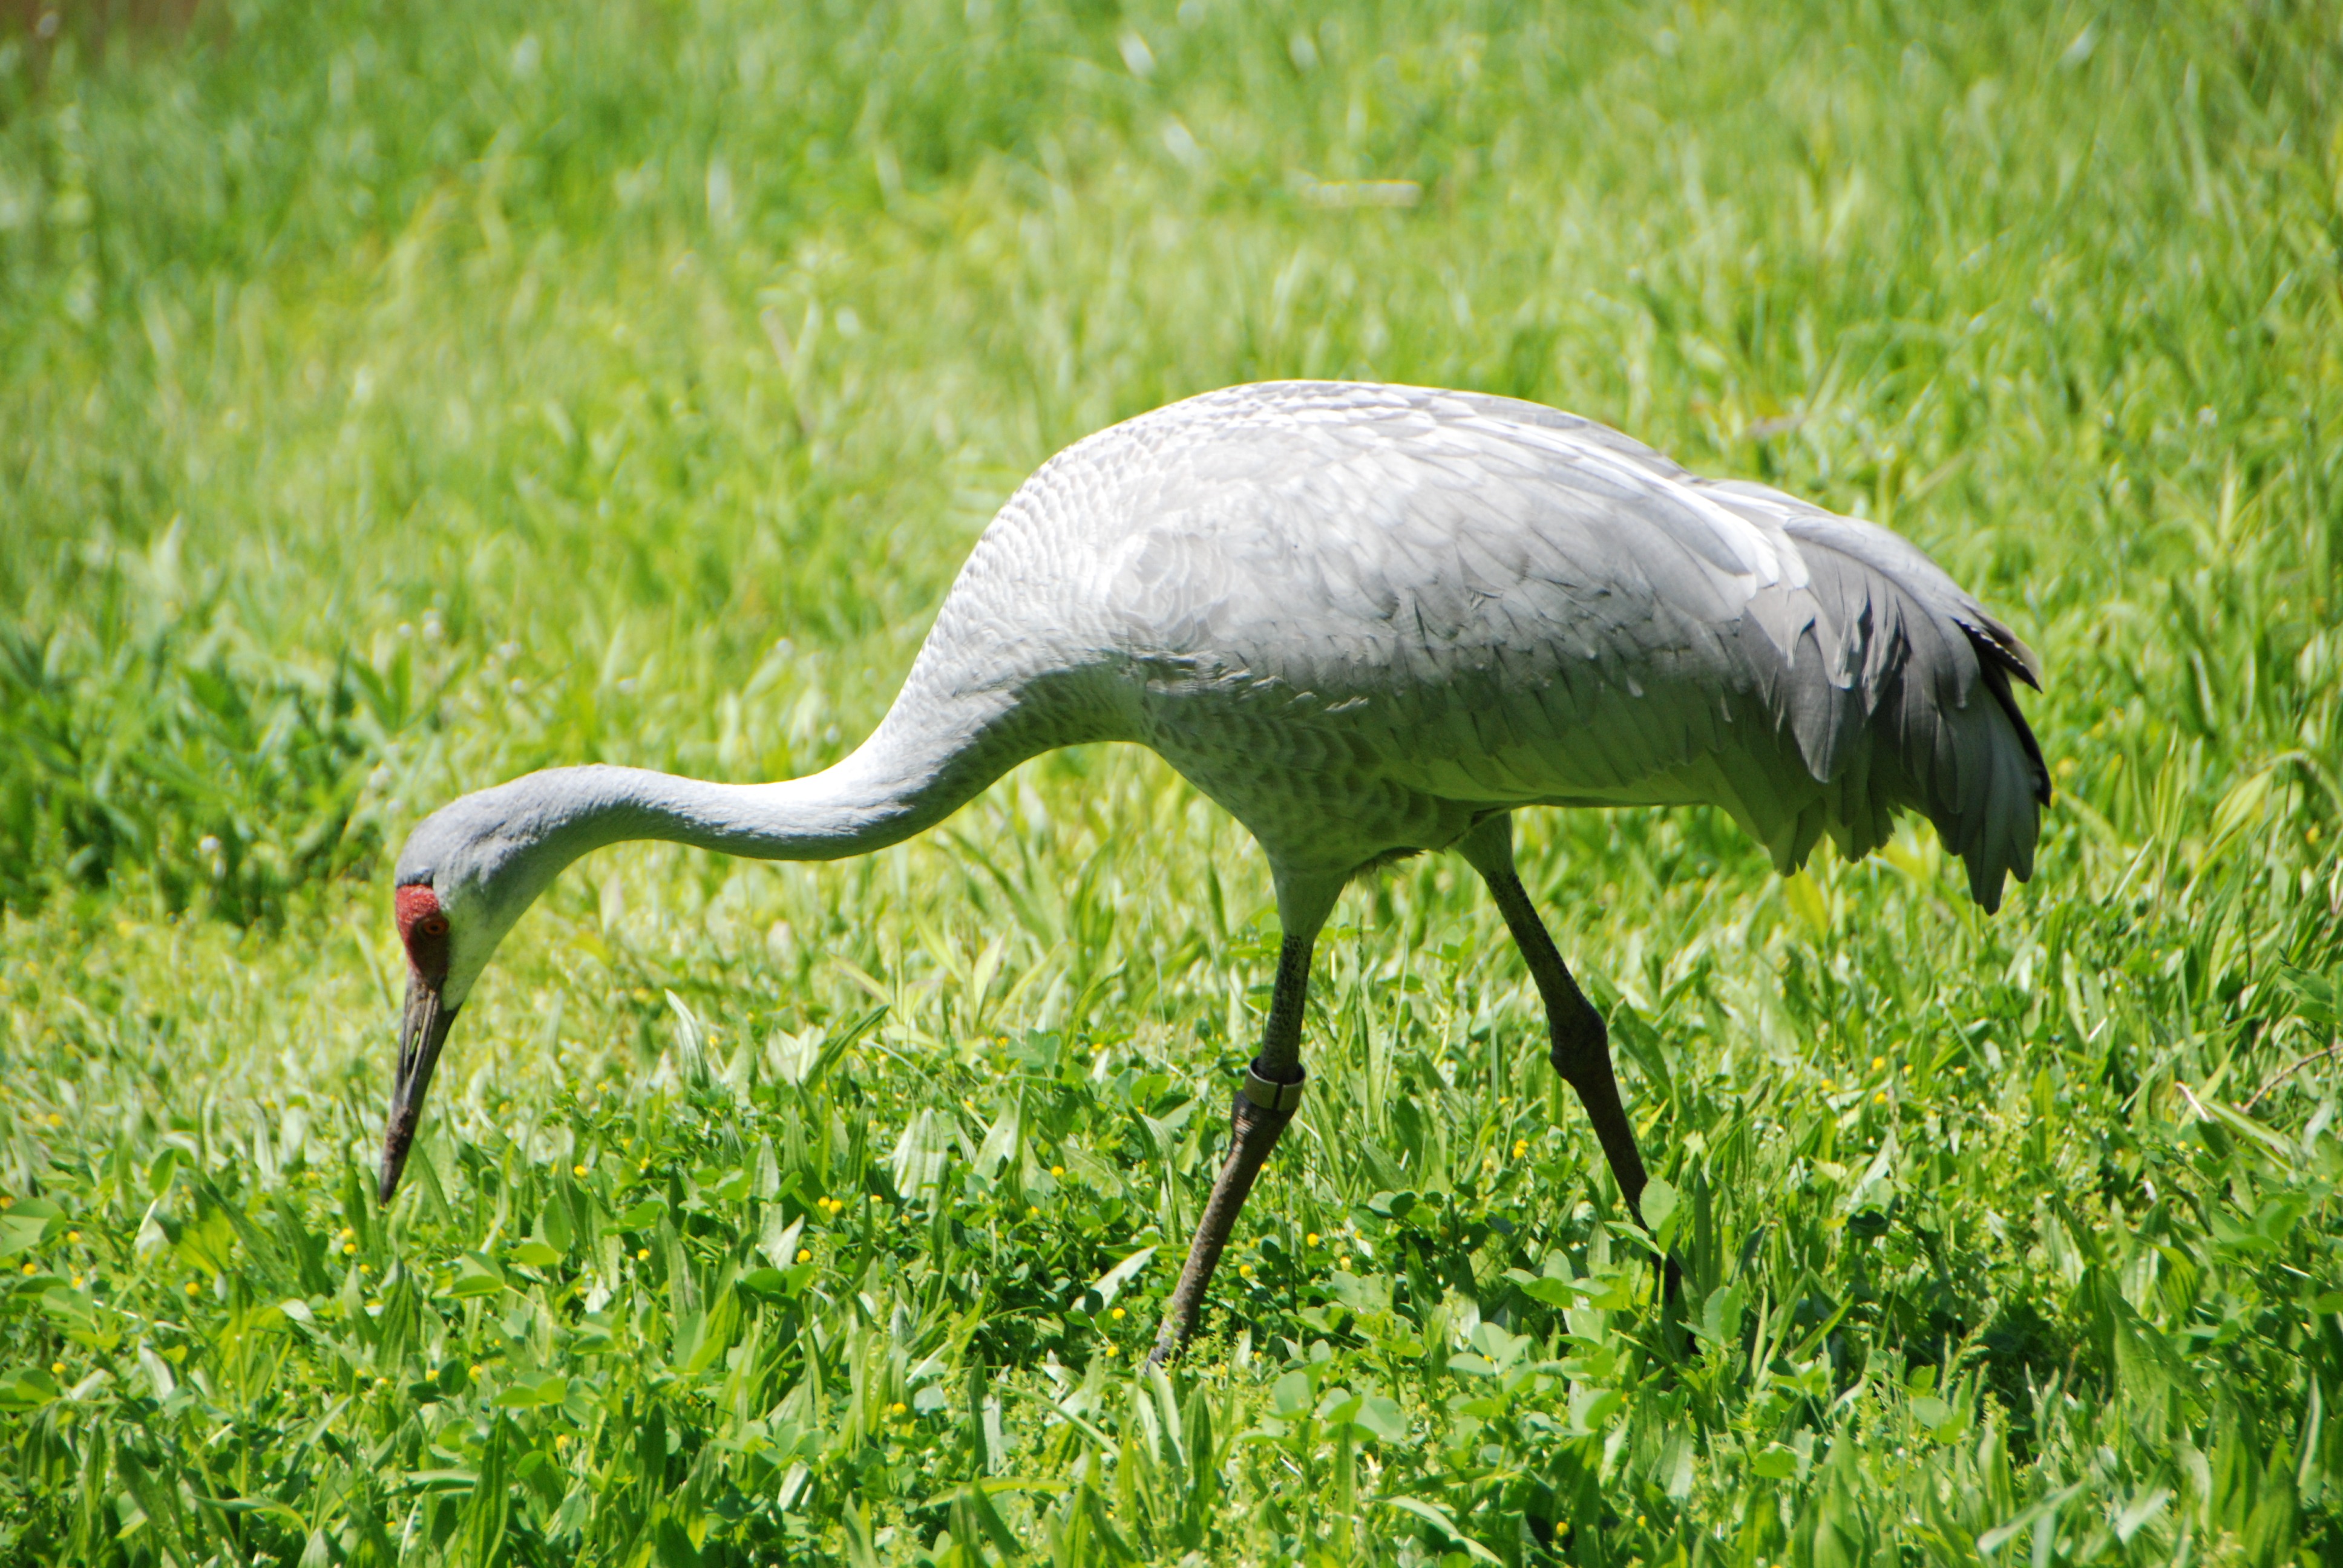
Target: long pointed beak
<point x="421" y="1032"/>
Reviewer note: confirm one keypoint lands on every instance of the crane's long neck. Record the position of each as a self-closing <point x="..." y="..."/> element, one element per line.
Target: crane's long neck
<point x="904" y="779"/>
<point x="960" y="723"/>
<point x="489" y="855"/>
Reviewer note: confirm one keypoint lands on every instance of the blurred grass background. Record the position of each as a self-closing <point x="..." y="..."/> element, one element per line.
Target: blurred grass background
<point x="396" y="399"/>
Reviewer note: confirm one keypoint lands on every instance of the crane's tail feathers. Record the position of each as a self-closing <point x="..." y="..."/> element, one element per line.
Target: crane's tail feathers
<point x="1971" y="764"/>
<point x="1899" y="696"/>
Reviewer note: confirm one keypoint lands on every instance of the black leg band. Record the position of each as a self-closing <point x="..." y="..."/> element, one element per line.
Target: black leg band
<point x="1273" y="1096"/>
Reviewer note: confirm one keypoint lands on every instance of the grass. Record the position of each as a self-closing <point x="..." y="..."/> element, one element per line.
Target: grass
<point x="392" y="400"/>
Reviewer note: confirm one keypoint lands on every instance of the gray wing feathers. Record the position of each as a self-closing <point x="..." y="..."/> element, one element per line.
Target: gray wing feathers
<point x="1908" y="703"/>
<point x="1503" y="603"/>
<point x="1893" y="683"/>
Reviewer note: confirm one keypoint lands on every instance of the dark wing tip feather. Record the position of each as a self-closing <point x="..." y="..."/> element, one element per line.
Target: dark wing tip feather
<point x="1996" y="680"/>
<point x="2000" y="649"/>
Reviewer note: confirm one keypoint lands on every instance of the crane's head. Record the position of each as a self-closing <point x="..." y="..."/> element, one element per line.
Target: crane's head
<point x="428" y="936"/>
<point x="467" y="872"/>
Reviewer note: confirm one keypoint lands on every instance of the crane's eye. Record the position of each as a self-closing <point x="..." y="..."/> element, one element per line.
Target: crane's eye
<point x="433" y="925"/>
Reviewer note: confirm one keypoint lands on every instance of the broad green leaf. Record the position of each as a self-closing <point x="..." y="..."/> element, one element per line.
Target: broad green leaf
<point x="21" y="1232"/>
<point x="1439" y="1517"/>
<point x="1101" y="1291"/>
<point x="531" y="1394"/>
<point x="1659" y="1206"/>
<point x="208" y="1243"/>
<point x="1591" y="1408"/>
<point x="640" y="1216"/>
<point x="2240" y="807"/>
<point x="918" y="1162"/>
<point x="1993" y="1539"/>
<point x="711" y="1333"/>
<point x="1362" y="1294"/>
<point x="476" y="1276"/>
<point x="1000" y="1143"/>
<point x="791" y="1057"/>
<point x="1381" y="1416"/>
<point x="2318" y="994"/>
<point x="1720" y="1316"/>
<point x="2135" y="1515"/>
<point x="1552" y="1291"/>
<point x="27" y="1388"/>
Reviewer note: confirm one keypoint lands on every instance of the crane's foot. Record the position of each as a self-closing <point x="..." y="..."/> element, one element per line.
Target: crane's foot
<point x="1259" y="1117"/>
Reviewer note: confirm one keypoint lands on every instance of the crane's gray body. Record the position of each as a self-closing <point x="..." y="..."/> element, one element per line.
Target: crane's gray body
<point x="1361" y="617"/>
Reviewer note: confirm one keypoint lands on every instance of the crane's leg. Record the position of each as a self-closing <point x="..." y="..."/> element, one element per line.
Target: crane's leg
<point x="1581" y="1045"/>
<point x="1265" y="1102"/>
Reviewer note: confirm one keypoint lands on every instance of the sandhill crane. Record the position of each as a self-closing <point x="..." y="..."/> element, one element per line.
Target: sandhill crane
<point x="1368" y="621"/>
